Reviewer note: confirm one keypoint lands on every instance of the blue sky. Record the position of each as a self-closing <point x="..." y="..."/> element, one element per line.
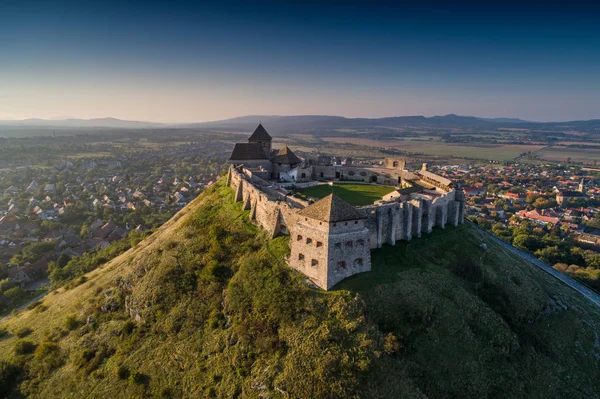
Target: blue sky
<point x="192" y="61"/>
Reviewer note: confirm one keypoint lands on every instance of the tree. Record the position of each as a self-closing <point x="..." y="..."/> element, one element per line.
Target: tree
<point x="15" y="294"/>
<point x="63" y="259"/>
<point x="550" y="255"/>
<point x="527" y="242"/>
<point x="6" y="284"/>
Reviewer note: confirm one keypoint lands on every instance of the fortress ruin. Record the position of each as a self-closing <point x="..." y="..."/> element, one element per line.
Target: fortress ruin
<point x="330" y="239"/>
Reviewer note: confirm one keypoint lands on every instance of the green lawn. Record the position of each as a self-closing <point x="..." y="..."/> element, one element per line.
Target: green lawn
<point x="354" y="194"/>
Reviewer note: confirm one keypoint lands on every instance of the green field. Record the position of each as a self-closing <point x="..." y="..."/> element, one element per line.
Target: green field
<point x="354" y="194"/>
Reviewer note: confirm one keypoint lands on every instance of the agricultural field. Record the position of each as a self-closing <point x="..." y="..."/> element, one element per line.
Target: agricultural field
<point x="496" y="152"/>
<point x="354" y="194"/>
<point x="561" y="154"/>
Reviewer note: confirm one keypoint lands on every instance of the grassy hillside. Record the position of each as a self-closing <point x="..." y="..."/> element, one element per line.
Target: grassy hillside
<point x="206" y="307"/>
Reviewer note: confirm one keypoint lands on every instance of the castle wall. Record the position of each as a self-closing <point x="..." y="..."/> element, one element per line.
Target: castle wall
<point x="327" y="253"/>
<point x="355" y="174"/>
<point x="327" y="258"/>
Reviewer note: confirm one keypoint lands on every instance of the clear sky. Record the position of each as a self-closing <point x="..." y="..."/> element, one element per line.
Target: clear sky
<point x="192" y="61"/>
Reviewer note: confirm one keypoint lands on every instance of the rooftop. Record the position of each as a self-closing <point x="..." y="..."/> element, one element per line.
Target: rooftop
<point x="260" y="134"/>
<point x="247" y="151"/>
<point x="286" y="156"/>
<point x="331" y="209"/>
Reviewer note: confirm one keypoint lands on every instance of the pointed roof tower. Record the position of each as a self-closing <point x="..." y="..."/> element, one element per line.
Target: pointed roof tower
<point x="260" y="134"/>
<point x="331" y="209"/>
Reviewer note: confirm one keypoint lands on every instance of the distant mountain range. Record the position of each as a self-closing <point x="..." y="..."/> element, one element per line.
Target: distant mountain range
<point x="71" y="123"/>
<point x="311" y="123"/>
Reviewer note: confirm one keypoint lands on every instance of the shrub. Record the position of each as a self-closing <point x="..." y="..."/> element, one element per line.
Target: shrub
<point x="391" y="344"/>
<point x="122" y="372"/>
<point x="47" y="357"/>
<point x="23" y="332"/>
<point x="46" y="349"/>
<point x="71" y="322"/>
<point x="24" y="347"/>
<point x="34" y="305"/>
<point x="138" y="378"/>
<point x="128" y="327"/>
<point x="8" y="378"/>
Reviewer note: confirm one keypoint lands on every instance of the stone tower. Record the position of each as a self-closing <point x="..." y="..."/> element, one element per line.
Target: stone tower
<point x="329" y="242"/>
<point x="260" y="136"/>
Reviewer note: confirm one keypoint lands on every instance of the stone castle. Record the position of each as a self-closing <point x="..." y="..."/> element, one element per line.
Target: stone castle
<point x="330" y="239"/>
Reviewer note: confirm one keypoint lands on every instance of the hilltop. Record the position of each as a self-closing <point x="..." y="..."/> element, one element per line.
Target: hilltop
<point x="206" y="307"/>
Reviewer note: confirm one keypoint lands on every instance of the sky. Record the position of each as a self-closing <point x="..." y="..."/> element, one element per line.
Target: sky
<point x="197" y="61"/>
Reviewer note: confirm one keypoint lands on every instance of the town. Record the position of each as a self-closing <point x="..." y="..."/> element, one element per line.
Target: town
<point x="550" y="210"/>
<point x="63" y="215"/>
<point x="70" y="203"/>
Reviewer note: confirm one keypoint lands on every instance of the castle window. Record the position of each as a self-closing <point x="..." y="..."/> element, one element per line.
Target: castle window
<point x="314" y="262"/>
<point x="319" y="244"/>
<point x="349" y="243"/>
<point x="395" y="164"/>
<point x="335" y="224"/>
<point x="356" y="222"/>
<point x="358" y="261"/>
<point x="299" y="237"/>
<point x="341" y="264"/>
<point x="309" y="240"/>
<point x="351" y="173"/>
<point x="300" y="256"/>
<point x="361" y="242"/>
<point x="338" y="245"/>
<point x="303" y="175"/>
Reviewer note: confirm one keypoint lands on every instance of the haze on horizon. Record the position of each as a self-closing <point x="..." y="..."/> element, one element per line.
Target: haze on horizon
<point x="194" y="63"/>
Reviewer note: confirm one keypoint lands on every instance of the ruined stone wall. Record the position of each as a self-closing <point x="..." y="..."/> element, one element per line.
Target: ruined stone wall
<point x="388" y="223"/>
<point x="355" y="174"/>
<point x="272" y="210"/>
<point x="394" y="163"/>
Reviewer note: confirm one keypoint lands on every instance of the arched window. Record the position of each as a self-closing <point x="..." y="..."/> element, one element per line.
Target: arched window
<point x="341" y="264"/>
<point x="395" y="164"/>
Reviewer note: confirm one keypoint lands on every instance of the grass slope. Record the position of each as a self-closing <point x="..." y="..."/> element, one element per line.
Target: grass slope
<point x="354" y="194"/>
<point x="220" y="315"/>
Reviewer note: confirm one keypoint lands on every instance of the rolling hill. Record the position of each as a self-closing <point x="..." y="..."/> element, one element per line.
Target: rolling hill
<point x="205" y="307"/>
<point x="317" y="124"/>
